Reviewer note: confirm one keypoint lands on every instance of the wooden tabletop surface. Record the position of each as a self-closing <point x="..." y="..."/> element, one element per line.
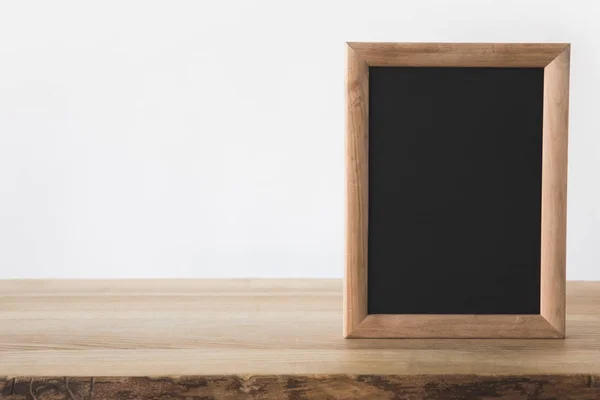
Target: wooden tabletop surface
<point x="251" y="327"/>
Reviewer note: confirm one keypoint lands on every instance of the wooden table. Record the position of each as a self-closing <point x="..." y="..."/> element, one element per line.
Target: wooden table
<point x="264" y="339"/>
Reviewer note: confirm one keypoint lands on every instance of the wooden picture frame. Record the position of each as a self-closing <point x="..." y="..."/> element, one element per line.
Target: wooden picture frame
<point x="550" y="323"/>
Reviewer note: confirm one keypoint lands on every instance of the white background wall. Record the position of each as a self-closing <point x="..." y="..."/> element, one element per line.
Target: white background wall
<point x="172" y="138"/>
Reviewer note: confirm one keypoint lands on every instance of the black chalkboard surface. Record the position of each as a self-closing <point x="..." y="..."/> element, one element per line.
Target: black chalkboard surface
<point x="455" y="180"/>
<point x="456" y="190"/>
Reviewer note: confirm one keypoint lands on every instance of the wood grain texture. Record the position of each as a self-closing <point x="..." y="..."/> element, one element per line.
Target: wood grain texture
<point x="357" y="191"/>
<point x="458" y="54"/>
<point x="455" y="326"/>
<point x="554" y="190"/>
<point x="251" y="327"/>
<point x="365" y="387"/>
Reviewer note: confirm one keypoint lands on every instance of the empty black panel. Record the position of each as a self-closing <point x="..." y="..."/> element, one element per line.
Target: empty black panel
<point x="455" y="168"/>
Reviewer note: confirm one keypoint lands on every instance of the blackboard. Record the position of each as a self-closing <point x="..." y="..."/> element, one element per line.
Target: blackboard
<point x="456" y="188"/>
<point x="455" y="184"/>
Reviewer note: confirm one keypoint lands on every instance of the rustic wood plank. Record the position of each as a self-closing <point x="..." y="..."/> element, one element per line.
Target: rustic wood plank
<point x="251" y="327"/>
<point x="357" y="191"/>
<point x="575" y="387"/>
<point x="535" y="55"/>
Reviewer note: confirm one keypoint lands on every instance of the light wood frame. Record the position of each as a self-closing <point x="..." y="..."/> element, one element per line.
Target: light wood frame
<point x="555" y="59"/>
